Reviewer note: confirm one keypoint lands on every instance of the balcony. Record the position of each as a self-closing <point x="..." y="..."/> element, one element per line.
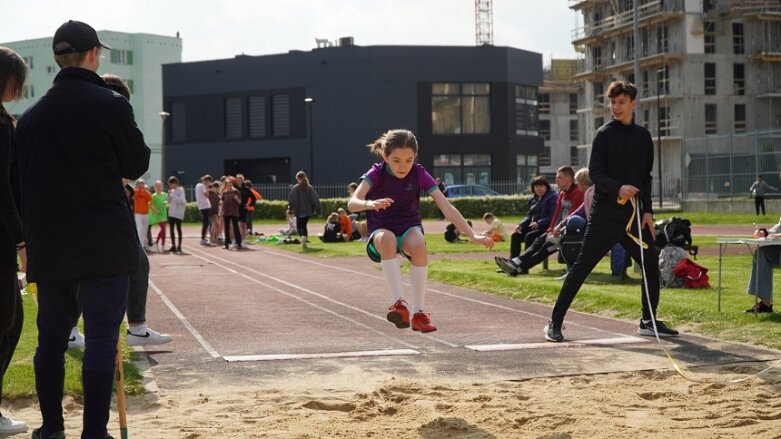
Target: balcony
<point x="607" y="68"/>
<point x="580" y="4"/>
<point x="650" y="13"/>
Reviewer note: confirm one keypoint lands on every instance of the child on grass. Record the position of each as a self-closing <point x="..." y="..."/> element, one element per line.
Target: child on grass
<point x="496" y="229"/>
<point x="389" y="192"/>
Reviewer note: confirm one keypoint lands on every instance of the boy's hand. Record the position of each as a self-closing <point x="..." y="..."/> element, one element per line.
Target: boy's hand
<point x="484" y="240"/>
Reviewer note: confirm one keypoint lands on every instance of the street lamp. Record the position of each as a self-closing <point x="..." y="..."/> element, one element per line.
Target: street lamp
<point x="309" y="102"/>
<point x="163" y="116"/>
<point x="659" y="74"/>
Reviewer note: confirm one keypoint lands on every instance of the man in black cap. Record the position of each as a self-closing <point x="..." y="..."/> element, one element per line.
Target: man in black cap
<point x="81" y="133"/>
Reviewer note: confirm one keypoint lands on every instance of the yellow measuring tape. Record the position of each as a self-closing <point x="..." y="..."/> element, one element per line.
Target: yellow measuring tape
<point x="678" y="369"/>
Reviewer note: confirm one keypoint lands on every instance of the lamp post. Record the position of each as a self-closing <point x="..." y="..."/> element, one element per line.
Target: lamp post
<point x="163" y="116"/>
<point x="309" y="102"/>
<point x="659" y="74"/>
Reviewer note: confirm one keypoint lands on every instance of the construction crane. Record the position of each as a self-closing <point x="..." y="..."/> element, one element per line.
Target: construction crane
<point x="484" y="22"/>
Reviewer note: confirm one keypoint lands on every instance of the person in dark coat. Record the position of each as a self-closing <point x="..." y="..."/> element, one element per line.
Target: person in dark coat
<point x="84" y="134"/>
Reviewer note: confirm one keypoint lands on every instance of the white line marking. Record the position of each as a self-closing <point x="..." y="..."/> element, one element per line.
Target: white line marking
<point x="184" y="321"/>
<point x="591" y="342"/>
<point x="272" y="357"/>
<point x="444" y="293"/>
<point x="314" y="305"/>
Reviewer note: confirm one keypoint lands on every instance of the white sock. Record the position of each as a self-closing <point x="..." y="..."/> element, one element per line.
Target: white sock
<point x="138" y="330"/>
<point x="391" y="268"/>
<point x="418" y="277"/>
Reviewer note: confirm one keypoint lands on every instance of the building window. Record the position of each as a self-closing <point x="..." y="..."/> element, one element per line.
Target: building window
<point x="598" y="122"/>
<point x="50" y="69"/>
<point x="280" y="115"/>
<point x="527" y="168"/>
<point x="707" y="5"/>
<point x="29" y="61"/>
<point x="737" y="38"/>
<point x="178" y="122"/>
<point x="662" y="39"/>
<point x="460" y="108"/>
<point x="124" y="57"/>
<point x="709" y="29"/>
<point x="645" y="86"/>
<point x="233" y="125"/>
<point x="573" y="130"/>
<point x="663" y="80"/>
<point x="257" y="116"/>
<point x="573" y="103"/>
<point x="599" y="93"/>
<point x="644" y="45"/>
<point x="710" y="78"/>
<point x="596" y="56"/>
<point x="645" y="118"/>
<point x="543" y="104"/>
<point x="463" y="168"/>
<point x="573" y="156"/>
<point x="710" y="119"/>
<point x="629" y="52"/>
<point x="664" y="121"/>
<point x="544" y="129"/>
<point x="543" y="159"/>
<point x="739" y="78"/>
<point x="526" y="110"/>
<point x="740" y="118"/>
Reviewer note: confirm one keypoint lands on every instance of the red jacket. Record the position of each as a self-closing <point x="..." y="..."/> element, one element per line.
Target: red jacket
<point x="569" y="201"/>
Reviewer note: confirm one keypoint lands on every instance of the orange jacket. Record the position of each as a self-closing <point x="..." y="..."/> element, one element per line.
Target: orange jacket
<point x="258" y="197"/>
<point x="141" y="201"/>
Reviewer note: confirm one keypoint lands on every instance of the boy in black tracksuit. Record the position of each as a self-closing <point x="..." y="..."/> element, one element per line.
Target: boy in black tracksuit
<point x="621" y="161"/>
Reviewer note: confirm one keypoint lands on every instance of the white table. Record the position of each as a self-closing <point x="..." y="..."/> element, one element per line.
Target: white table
<point x="752" y="244"/>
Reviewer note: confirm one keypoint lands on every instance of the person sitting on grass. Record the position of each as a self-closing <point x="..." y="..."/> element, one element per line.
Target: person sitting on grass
<point x="452" y="235"/>
<point x="760" y="283"/>
<point x="332" y="233"/>
<point x="345" y="225"/>
<point x="291" y="223"/>
<point x="496" y="229"/>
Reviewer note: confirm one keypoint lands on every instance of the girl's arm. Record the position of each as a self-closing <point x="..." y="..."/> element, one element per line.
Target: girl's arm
<point x="359" y="203"/>
<point x="454" y="216"/>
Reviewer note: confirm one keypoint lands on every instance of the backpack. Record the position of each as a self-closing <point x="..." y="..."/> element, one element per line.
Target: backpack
<point x="675" y="231"/>
<point x="694" y="275"/>
<point x="669" y="258"/>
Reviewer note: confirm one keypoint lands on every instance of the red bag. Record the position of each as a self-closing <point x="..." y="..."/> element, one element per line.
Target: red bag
<point x="694" y="275"/>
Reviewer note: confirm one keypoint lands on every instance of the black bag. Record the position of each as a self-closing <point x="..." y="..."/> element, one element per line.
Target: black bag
<point x="675" y="231"/>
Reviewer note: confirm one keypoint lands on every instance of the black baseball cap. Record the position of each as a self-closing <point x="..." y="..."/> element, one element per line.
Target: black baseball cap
<point x="74" y="37"/>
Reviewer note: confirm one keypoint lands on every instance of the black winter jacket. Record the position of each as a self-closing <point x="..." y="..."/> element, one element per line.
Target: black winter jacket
<point x="75" y="144"/>
<point x="10" y="224"/>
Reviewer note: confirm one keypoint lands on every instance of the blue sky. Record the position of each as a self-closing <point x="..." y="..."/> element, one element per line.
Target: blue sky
<point x="223" y="28"/>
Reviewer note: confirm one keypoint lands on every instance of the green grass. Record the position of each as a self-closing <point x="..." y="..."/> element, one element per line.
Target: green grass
<point x="19" y="380"/>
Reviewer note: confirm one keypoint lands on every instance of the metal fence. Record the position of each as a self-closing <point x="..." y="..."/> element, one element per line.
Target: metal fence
<point x="726" y="166"/>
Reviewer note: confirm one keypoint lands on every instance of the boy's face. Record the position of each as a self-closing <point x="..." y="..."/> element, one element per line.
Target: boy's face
<point x="400" y="161"/>
<point x="563" y="180"/>
<point x="172" y="185"/>
<point x="622" y="107"/>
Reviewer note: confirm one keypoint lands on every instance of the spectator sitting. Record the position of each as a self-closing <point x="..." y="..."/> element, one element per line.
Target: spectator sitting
<point x="452" y="235"/>
<point x="331" y="232"/>
<point x="346" y="225"/>
<point x="542" y="204"/>
<point x="291" y="223"/>
<point x="496" y="229"/>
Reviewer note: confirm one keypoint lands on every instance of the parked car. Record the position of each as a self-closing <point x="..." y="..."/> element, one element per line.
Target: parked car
<point x="469" y="190"/>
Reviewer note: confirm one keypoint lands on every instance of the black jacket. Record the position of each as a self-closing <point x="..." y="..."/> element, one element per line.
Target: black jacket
<point x="621" y="154"/>
<point x="10" y="224"/>
<point x="74" y="146"/>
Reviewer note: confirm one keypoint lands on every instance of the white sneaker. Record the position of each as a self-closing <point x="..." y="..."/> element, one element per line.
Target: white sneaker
<point x="145" y="336"/>
<point x="243" y="244"/>
<point x="235" y="246"/>
<point x="8" y="426"/>
<point x="76" y="339"/>
<point x="204" y="242"/>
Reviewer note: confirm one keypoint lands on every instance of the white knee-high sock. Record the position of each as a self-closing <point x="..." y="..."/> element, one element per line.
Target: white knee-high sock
<point x="418" y="278"/>
<point x="391" y="269"/>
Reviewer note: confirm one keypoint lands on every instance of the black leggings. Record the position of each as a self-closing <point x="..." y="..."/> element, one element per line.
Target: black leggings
<point x="178" y="224"/>
<point x="11" y="318"/>
<point x="204" y="222"/>
<point x="234" y="220"/>
<point x="301" y="222"/>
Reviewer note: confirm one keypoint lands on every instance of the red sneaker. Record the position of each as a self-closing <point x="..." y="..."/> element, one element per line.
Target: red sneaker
<point x="398" y="314"/>
<point x="422" y="322"/>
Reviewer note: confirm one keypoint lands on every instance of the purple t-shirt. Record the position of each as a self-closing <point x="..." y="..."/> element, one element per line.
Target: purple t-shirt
<point x="405" y="193"/>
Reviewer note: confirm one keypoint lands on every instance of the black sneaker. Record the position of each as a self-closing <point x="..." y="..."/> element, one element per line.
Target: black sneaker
<point x="647" y="328"/>
<point x="37" y="434"/>
<point x="553" y="331"/>
<point x="507" y="265"/>
<point x="760" y="307"/>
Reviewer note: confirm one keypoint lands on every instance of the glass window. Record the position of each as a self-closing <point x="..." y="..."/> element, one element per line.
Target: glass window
<point x="460" y="108"/>
<point x="737" y="38"/>
<point x="573" y="103"/>
<point x="710" y="119"/>
<point x="710" y="78"/>
<point x="709" y="28"/>
<point x="739" y="78"/>
<point x="573" y="156"/>
<point x="447" y="160"/>
<point x="463" y="169"/>
<point x="119" y="56"/>
<point x="662" y="40"/>
<point x="280" y="115"/>
<point x="476" y="114"/>
<point x="544" y="129"/>
<point x="573" y="130"/>
<point x="664" y="121"/>
<point x="526" y="110"/>
<point x="178" y="122"/>
<point x="526" y="169"/>
<point x="740" y="118"/>
<point x="446" y="114"/>
<point x="543" y="104"/>
<point x="448" y="88"/>
<point x="257" y="116"/>
<point x="233" y="126"/>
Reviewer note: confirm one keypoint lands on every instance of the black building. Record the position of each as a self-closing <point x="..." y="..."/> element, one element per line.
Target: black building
<point x="473" y="110"/>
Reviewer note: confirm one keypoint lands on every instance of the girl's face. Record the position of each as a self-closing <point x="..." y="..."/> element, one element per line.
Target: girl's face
<point x="540" y="190"/>
<point x="400" y="161"/>
<point x="158" y="187"/>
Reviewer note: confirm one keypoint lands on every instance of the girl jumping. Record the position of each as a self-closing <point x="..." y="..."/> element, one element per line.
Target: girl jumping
<point x="390" y="194"/>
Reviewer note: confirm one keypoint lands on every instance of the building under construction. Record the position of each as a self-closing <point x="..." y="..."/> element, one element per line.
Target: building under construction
<point x="707" y="68"/>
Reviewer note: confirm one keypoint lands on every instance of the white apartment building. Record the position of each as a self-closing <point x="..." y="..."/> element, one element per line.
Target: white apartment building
<point x="136" y="57"/>
<point x="557" y="106"/>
